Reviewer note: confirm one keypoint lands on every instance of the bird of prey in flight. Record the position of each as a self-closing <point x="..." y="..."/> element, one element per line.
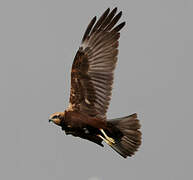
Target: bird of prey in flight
<point x="91" y="86"/>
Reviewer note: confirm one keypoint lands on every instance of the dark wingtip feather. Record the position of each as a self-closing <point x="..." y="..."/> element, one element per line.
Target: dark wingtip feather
<point x="88" y="29"/>
<point x="106" y="22"/>
<point x="101" y="20"/>
<point x="108" y="18"/>
<point x="114" y="21"/>
<point x="119" y="27"/>
<point x="108" y="9"/>
<point x="114" y="10"/>
<point x="103" y="16"/>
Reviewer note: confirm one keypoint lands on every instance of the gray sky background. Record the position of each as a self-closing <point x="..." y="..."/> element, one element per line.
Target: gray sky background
<point x="38" y="41"/>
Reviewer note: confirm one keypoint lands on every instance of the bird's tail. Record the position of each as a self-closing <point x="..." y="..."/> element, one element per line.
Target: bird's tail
<point x="126" y="135"/>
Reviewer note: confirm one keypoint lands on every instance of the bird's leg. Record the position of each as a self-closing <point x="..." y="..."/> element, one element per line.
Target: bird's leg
<point x="107" y="139"/>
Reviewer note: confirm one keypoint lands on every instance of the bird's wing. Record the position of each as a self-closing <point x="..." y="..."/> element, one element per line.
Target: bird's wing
<point x="94" y="64"/>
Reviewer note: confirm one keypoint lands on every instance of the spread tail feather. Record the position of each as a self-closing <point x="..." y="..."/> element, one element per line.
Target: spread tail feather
<point x="125" y="132"/>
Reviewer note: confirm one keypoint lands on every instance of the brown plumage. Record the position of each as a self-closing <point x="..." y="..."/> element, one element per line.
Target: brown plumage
<point x="91" y="86"/>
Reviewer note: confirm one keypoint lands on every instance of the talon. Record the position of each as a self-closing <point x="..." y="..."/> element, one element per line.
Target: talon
<point x="106" y="141"/>
<point x="107" y="138"/>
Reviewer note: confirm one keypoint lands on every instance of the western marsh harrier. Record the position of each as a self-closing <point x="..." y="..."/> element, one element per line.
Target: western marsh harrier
<point x="91" y="86"/>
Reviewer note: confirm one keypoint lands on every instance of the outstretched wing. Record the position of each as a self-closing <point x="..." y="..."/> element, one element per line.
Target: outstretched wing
<point x="94" y="64"/>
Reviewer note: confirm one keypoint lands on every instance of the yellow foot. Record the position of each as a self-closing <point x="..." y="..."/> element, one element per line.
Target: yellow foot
<point x="107" y="139"/>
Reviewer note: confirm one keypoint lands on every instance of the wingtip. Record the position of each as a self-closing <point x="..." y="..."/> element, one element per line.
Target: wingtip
<point x="94" y="18"/>
<point x="120" y="13"/>
<point x="107" y="10"/>
<point x="122" y="24"/>
<point x="115" y="9"/>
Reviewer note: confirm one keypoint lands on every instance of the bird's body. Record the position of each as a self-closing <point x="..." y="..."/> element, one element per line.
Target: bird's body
<point x="91" y="85"/>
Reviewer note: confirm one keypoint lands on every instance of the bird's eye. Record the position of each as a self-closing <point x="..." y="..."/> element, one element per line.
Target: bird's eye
<point x="55" y="117"/>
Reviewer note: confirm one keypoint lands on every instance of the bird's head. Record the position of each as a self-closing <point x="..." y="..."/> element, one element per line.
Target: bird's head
<point x="57" y="118"/>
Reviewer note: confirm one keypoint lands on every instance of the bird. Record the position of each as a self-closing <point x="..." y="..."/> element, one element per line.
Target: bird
<point x="92" y="77"/>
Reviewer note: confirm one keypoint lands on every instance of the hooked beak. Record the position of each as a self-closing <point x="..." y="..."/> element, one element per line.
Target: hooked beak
<point x="55" y="121"/>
